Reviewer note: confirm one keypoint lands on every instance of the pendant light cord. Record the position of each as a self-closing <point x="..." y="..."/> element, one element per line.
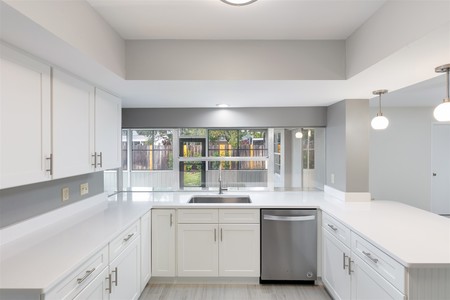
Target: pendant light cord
<point x="379" y="105"/>
<point x="448" y="88"/>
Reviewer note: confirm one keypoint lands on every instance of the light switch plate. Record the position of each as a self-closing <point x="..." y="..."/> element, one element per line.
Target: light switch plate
<point x="65" y="195"/>
<point x="84" y="188"/>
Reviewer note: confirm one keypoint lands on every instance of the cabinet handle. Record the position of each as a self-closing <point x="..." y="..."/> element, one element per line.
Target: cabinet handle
<point x="344" y="263"/>
<point x="171" y="220"/>
<point x="109" y="288"/>
<point x="221" y="234"/>
<point x="95" y="159"/>
<point x="116" y="278"/>
<point x="86" y="275"/>
<point x="215" y="235"/>
<point x="369" y="256"/>
<point x="128" y="237"/>
<point x="100" y="164"/>
<point x="350" y="261"/>
<point x="332" y="227"/>
<point x="50" y="159"/>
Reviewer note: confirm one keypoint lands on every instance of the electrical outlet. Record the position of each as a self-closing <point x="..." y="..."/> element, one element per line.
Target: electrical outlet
<point x="84" y="188"/>
<point x="65" y="194"/>
<point x="332" y="178"/>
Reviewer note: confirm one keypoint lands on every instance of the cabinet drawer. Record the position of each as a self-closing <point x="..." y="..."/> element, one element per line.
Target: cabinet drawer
<point x="74" y="283"/>
<point x="199" y="216"/>
<point x="237" y="216"/>
<point x="385" y="265"/>
<point x="117" y="245"/>
<point x="337" y="229"/>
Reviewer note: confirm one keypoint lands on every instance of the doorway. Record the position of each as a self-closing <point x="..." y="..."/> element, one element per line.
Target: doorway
<point x="192" y="172"/>
<point x="440" y="163"/>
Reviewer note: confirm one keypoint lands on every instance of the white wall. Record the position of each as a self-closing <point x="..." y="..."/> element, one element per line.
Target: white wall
<point x="400" y="157"/>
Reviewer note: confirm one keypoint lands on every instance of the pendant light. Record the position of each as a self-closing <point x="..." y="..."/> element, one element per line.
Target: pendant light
<point x="238" y="2"/>
<point x="379" y="122"/>
<point x="299" y="134"/>
<point x="442" y="111"/>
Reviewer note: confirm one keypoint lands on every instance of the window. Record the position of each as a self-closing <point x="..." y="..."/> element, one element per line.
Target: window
<point x="152" y="150"/>
<point x="124" y="149"/>
<point x="308" y="148"/>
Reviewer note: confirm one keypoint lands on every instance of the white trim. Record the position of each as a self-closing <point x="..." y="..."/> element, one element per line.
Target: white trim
<point x="16" y="231"/>
<point x="346" y="197"/>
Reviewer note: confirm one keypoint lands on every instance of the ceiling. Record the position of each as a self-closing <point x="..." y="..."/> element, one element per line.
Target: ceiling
<point x="213" y="19"/>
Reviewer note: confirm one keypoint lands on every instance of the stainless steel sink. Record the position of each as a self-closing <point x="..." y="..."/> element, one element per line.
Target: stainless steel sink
<point x="220" y="199"/>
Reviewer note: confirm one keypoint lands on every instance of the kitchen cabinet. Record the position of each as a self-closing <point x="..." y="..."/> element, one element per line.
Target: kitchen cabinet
<point x="25" y="114"/>
<point x="209" y="248"/>
<point x="345" y="269"/>
<point x="97" y="289"/>
<point x="125" y="273"/>
<point x="73" y="125"/>
<point x="108" y="115"/>
<point x="146" y="249"/>
<point x="163" y="242"/>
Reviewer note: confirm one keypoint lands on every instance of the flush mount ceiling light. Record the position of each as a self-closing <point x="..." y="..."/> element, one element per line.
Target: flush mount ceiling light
<point x="380" y="121"/>
<point x="238" y="2"/>
<point x="222" y="105"/>
<point x="442" y="111"/>
<point x="299" y="134"/>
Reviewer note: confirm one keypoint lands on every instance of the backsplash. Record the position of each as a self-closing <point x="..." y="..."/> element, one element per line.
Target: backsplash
<point x="24" y="202"/>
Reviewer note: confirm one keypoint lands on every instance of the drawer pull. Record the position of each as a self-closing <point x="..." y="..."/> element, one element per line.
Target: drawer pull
<point x="86" y="275"/>
<point x="215" y="234"/>
<point x="344" y="261"/>
<point x="109" y="288"/>
<point x="171" y="220"/>
<point x="369" y="256"/>
<point x="128" y="237"/>
<point x="332" y="227"/>
<point x="116" y="279"/>
<point x="350" y="261"/>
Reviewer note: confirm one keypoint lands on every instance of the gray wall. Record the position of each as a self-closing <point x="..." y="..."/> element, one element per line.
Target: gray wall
<point x="400" y="157"/>
<point x="347" y="152"/>
<point x="21" y="203"/>
<point x="235" y="60"/>
<point x="224" y="118"/>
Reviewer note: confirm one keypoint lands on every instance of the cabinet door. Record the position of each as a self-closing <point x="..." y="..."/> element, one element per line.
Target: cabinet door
<point x="97" y="289"/>
<point x="125" y="273"/>
<point x="107" y="130"/>
<point x="198" y="250"/>
<point x="73" y="128"/>
<point x="24" y="119"/>
<point x="368" y="284"/>
<point x="163" y="242"/>
<point x="146" y="249"/>
<point x="239" y="250"/>
<point x="335" y="274"/>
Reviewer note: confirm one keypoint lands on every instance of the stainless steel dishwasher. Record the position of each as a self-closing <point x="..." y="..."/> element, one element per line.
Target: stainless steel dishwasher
<point x="288" y="245"/>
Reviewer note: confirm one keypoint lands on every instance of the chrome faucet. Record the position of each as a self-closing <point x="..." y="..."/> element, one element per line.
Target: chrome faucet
<point x="221" y="189"/>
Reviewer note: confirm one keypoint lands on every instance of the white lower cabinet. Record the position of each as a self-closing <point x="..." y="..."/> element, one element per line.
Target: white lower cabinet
<point x="211" y="249"/>
<point x="97" y="289"/>
<point x="146" y="249"/>
<point x="346" y="272"/>
<point x="125" y="273"/>
<point x="163" y="242"/>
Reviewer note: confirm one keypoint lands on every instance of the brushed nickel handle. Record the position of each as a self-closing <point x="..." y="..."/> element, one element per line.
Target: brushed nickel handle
<point x="50" y="169"/>
<point x="100" y="163"/>
<point x="86" y="275"/>
<point x="128" y="237"/>
<point x="350" y="261"/>
<point x="109" y="288"/>
<point x="332" y="227"/>
<point x="171" y="220"/>
<point x="369" y="256"/>
<point x="116" y="278"/>
<point x="215" y="235"/>
<point x="221" y="234"/>
<point x="95" y="159"/>
<point x="344" y="263"/>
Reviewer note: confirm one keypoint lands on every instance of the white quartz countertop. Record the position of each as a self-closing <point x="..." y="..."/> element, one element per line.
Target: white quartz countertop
<point x="413" y="237"/>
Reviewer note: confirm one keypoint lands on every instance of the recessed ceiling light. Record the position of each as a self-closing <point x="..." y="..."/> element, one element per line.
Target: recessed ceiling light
<point x="222" y="105"/>
<point x="238" y="2"/>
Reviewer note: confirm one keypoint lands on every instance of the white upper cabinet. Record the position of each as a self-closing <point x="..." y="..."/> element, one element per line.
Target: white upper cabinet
<point x="73" y="126"/>
<point x="25" y="131"/>
<point x="107" y="130"/>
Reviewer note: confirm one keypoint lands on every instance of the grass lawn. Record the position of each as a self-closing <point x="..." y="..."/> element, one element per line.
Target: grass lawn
<point x="192" y="179"/>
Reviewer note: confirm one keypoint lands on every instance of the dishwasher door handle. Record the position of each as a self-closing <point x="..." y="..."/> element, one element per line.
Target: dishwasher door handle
<point x="289" y="219"/>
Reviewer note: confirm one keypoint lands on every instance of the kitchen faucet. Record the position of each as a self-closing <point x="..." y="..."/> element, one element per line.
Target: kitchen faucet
<point x="221" y="189"/>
